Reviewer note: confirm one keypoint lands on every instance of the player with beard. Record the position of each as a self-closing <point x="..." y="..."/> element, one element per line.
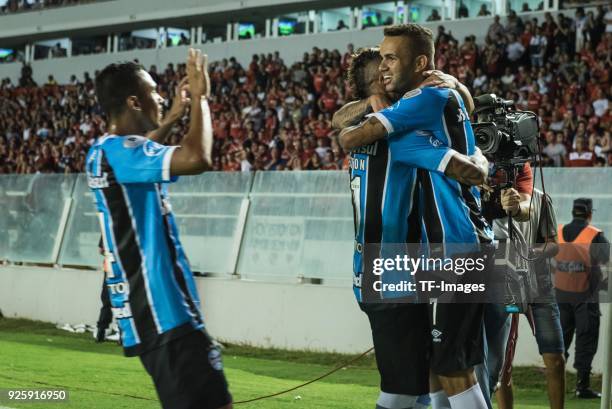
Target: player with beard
<point x="398" y="341"/>
<point x="430" y="197"/>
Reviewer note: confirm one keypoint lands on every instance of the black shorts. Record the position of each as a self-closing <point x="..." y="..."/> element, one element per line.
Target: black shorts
<point x="456" y="336"/>
<point x="411" y="339"/>
<point x="188" y="373"/>
<point x="402" y="347"/>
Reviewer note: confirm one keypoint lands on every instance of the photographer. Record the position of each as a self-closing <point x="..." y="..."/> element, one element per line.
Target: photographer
<point x="509" y="139"/>
<point x="541" y="245"/>
<point x="497" y="205"/>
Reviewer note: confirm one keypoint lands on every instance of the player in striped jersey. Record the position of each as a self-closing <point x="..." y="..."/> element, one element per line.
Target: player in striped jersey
<point x="152" y="289"/>
<point x="397" y="328"/>
<point x="443" y="192"/>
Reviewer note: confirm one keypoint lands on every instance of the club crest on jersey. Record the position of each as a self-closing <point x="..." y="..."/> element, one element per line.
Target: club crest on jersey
<point x="152" y="148"/>
<point x="412" y="93"/>
<point x="436" y="143"/>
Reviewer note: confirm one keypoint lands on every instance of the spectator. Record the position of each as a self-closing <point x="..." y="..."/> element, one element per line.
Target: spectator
<point x="580" y="156"/>
<point x="514" y="49"/>
<point x="269" y="106"/>
<point x="555" y="148"/>
<point x="56" y="51"/>
<point x="341" y="25"/>
<point x="480" y="80"/>
<point x="462" y="11"/>
<point x="483" y="12"/>
<point x="434" y="16"/>
<point x="495" y="29"/>
<point x="537" y="48"/>
<point x="601" y="104"/>
<point x="514" y="24"/>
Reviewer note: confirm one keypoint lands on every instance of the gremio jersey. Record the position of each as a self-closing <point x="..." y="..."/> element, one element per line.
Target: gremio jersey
<point x="151" y="286"/>
<point x="450" y="212"/>
<point x="384" y="187"/>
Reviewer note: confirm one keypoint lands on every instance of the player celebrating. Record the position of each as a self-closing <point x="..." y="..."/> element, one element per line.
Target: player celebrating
<point x="397" y="339"/>
<point x="449" y="212"/>
<point x="152" y="290"/>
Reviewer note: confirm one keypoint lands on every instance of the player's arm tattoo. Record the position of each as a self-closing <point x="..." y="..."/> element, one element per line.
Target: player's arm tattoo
<point x="467" y="169"/>
<point x="350" y="113"/>
<point x="363" y="134"/>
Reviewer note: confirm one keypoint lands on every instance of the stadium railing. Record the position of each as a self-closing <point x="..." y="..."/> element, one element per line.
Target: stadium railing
<point x="269" y="226"/>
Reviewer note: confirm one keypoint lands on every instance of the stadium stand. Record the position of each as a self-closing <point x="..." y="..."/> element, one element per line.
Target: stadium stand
<point x="272" y="116"/>
<point x="16" y="6"/>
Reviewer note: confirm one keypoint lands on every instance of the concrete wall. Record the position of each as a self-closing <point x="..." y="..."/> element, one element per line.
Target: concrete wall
<point x="291" y="316"/>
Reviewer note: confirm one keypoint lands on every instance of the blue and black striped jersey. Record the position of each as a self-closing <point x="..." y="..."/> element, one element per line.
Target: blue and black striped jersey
<point x="449" y="211"/>
<point x="384" y="183"/>
<point x="152" y="289"/>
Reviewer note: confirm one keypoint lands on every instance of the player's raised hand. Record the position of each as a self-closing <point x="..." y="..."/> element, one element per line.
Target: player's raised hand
<point x="195" y="74"/>
<point x="206" y="76"/>
<point x="438" y="79"/>
<point x="180" y="101"/>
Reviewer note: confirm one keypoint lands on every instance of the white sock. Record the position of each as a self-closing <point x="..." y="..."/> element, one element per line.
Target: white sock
<point x="468" y="399"/>
<point x="439" y="400"/>
<point x="395" y="401"/>
<point x="422" y="402"/>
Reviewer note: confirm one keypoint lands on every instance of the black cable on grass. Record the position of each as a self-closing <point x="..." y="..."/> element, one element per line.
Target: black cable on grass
<point x="125" y="395"/>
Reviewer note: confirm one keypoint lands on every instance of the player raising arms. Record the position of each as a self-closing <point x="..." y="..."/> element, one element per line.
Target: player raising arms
<point x="152" y="289"/>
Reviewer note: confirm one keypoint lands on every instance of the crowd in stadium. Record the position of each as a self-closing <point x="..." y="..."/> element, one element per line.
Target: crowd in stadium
<point x="273" y="116"/>
<point x="12" y="6"/>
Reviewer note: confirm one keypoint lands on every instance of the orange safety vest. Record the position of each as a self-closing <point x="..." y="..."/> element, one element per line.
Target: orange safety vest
<point x="574" y="261"/>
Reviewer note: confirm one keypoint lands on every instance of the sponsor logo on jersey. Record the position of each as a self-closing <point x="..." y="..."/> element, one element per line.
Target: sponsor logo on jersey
<point x="435" y="142"/>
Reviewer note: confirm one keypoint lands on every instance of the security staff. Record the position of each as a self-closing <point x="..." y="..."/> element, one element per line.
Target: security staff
<point x="582" y="248"/>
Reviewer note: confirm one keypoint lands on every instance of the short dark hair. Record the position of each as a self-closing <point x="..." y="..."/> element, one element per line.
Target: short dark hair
<point x="115" y="83"/>
<point x="356" y="71"/>
<point x="421" y="38"/>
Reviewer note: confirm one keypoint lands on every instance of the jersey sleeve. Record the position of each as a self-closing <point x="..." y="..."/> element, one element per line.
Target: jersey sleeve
<point x="421" y="151"/>
<point x="421" y="108"/>
<point x="139" y="160"/>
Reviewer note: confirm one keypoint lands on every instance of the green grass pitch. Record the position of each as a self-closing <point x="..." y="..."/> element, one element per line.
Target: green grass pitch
<point x="34" y="355"/>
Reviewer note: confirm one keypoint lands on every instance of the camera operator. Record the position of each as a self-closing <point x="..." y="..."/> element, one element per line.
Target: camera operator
<point x="497" y="205"/>
<point x="509" y="139"/>
<point x="540" y="233"/>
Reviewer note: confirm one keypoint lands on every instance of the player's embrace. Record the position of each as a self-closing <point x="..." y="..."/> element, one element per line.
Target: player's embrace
<point x="152" y="290"/>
